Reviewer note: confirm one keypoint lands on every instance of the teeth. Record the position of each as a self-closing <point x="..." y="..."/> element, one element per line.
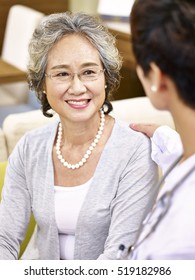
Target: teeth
<point x="77" y="102"/>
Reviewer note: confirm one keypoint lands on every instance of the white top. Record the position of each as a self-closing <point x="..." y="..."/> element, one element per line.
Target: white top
<point x="68" y="202"/>
<point x="174" y="237"/>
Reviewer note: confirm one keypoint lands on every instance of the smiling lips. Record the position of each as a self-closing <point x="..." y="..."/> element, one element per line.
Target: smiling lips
<point x="78" y="103"/>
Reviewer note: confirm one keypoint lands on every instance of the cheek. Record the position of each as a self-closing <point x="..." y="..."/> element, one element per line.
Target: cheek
<point x="56" y="91"/>
<point x="97" y="89"/>
<point x="99" y="92"/>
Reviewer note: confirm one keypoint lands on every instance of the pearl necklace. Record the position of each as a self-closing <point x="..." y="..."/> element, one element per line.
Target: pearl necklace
<point x="89" y="151"/>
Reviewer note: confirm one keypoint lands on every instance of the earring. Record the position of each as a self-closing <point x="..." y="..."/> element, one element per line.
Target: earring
<point x="106" y="86"/>
<point x="30" y="84"/>
<point x="44" y="91"/>
<point x="153" y="88"/>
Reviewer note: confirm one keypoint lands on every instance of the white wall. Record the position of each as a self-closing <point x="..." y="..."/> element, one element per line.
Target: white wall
<point x="88" y="6"/>
<point x="115" y="7"/>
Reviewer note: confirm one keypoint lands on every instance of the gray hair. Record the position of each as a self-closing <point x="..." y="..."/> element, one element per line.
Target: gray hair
<point x="52" y="29"/>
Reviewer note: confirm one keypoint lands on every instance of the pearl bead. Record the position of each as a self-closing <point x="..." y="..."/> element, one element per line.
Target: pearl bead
<point x="88" y="152"/>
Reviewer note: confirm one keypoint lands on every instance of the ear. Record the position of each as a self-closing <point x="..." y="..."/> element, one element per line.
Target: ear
<point x="153" y="77"/>
<point x="151" y="80"/>
<point x="156" y="78"/>
<point x="154" y="84"/>
<point x="140" y="73"/>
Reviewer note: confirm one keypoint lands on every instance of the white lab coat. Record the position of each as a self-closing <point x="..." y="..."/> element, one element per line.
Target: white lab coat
<point x="174" y="236"/>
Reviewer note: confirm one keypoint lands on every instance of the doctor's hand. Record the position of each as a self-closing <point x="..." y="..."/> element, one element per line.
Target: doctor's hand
<point x="147" y="129"/>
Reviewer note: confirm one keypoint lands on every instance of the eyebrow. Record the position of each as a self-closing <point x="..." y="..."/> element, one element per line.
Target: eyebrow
<point x="62" y="66"/>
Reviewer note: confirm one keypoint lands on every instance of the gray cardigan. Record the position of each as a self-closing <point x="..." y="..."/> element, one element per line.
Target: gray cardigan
<point x="121" y="194"/>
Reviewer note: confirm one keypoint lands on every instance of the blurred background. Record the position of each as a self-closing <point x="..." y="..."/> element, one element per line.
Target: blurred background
<point x="15" y="31"/>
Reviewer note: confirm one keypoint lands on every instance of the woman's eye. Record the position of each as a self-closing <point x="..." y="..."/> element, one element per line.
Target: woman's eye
<point x="62" y="74"/>
<point x="89" y="72"/>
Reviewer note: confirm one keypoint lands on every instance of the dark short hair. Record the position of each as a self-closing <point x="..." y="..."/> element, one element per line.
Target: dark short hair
<point x="51" y="30"/>
<point x="163" y="32"/>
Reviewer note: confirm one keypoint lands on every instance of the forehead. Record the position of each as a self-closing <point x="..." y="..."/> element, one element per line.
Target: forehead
<point x="73" y="49"/>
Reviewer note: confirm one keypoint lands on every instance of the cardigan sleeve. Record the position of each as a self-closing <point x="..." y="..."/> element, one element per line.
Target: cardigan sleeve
<point x="135" y="196"/>
<point x="15" y="207"/>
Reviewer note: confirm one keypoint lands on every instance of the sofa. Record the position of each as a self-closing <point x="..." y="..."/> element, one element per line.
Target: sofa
<point x="137" y="109"/>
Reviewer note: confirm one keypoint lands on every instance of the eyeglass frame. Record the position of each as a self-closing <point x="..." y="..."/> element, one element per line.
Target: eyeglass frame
<point x="72" y="75"/>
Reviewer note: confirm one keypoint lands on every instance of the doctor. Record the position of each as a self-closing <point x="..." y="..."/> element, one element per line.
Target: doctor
<point x="163" y="38"/>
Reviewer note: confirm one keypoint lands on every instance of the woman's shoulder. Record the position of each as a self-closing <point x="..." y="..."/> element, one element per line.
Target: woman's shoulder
<point x="124" y="132"/>
<point x="42" y="131"/>
<point x="37" y="137"/>
<point x="35" y="143"/>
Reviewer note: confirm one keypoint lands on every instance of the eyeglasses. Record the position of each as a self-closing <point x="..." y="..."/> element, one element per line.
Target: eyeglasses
<point x="86" y="75"/>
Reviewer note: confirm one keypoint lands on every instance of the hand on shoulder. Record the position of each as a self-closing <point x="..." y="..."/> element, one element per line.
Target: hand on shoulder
<point x="147" y="129"/>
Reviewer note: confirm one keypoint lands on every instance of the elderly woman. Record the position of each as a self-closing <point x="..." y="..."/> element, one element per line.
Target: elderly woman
<point x="87" y="178"/>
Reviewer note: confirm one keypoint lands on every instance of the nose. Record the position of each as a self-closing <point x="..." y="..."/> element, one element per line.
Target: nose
<point x="76" y="86"/>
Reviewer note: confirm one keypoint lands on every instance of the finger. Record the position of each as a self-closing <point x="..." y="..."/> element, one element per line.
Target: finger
<point x="147" y="129"/>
